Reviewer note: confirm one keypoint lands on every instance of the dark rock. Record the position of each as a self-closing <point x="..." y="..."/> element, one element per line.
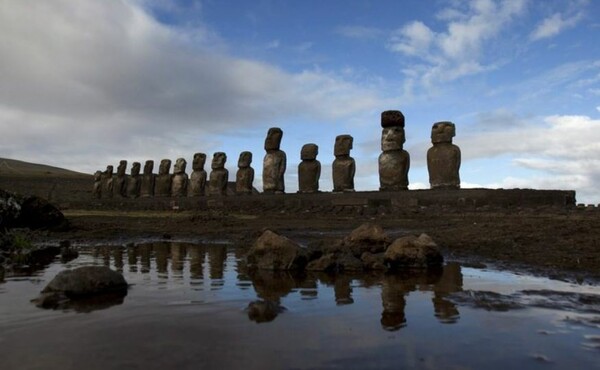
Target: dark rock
<point x="413" y="252"/>
<point x="347" y="262"/>
<point x="327" y="262"/>
<point x="37" y="213"/>
<point x="275" y="252"/>
<point x="373" y="261"/>
<point x="10" y="209"/>
<point x="367" y="237"/>
<point x="79" y="283"/>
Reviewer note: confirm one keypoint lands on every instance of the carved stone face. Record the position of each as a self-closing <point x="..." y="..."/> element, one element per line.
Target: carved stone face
<point x="343" y="144"/>
<point x="180" y="165"/>
<point x="309" y="152"/>
<point x="245" y="159"/>
<point x="442" y="132"/>
<point x="135" y="169"/>
<point x="392" y="138"/>
<point x="273" y="140"/>
<point x="148" y="167"/>
<point x="97" y="175"/>
<point x="391" y="118"/>
<point x="199" y="161"/>
<point x="165" y="167"/>
<point x="109" y="170"/>
<point x="121" y="169"/>
<point x="218" y="162"/>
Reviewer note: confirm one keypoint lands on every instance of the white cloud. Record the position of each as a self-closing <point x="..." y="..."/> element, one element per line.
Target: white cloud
<point x="598" y="108"/>
<point x="457" y="51"/>
<point x="554" y="25"/>
<point x="85" y="83"/>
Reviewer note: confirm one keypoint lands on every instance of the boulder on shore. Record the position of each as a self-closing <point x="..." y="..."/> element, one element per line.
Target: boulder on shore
<point x="272" y="251"/>
<point x="368" y="237"/>
<point x="413" y="252"/>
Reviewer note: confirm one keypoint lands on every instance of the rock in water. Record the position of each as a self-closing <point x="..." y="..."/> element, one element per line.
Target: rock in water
<point x="79" y="283"/>
<point x="275" y="252"/>
<point x="413" y="252"/>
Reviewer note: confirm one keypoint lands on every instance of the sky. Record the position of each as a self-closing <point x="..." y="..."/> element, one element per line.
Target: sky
<point x="86" y="83"/>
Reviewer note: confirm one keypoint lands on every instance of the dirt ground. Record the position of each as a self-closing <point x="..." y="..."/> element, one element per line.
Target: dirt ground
<point x="558" y="243"/>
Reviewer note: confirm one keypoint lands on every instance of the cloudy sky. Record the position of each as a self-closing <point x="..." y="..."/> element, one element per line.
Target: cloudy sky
<point x="86" y="83"/>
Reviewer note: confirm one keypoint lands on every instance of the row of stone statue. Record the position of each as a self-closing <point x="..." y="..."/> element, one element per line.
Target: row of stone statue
<point x="443" y="163"/>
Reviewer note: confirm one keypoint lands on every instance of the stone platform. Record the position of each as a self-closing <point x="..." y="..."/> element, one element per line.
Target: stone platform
<point x="356" y="202"/>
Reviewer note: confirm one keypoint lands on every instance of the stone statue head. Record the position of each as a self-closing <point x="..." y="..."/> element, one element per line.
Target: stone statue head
<point x="135" y="169"/>
<point x="122" y="168"/>
<point x="392" y="138"/>
<point x="391" y="118"/>
<point x="245" y="159"/>
<point x="97" y="175"/>
<point x="109" y="171"/>
<point x="180" y="165"/>
<point x="442" y="132"/>
<point x="273" y="140"/>
<point x="148" y="167"/>
<point x="218" y="162"/>
<point x="343" y="144"/>
<point x="199" y="161"/>
<point x="309" y="152"/>
<point x="165" y="167"/>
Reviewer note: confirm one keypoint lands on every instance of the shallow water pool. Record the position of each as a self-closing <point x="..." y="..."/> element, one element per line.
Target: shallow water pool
<point x="196" y="306"/>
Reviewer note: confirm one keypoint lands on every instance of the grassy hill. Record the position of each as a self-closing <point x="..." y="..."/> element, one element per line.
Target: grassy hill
<point x="55" y="184"/>
<point x="15" y="168"/>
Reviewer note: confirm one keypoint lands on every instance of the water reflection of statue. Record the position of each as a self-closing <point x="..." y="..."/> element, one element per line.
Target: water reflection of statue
<point x="178" y="252"/>
<point x="132" y="253"/>
<point x="270" y="287"/>
<point x="216" y="258"/>
<point x="145" y="255"/>
<point x="442" y="282"/>
<point x="161" y="253"/>
<point x="450" y="282"/>
<point x="197" y="255"/>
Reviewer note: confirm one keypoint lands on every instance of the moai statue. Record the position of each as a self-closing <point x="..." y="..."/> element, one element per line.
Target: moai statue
<point x="107" y="182"/>
<point x="97" y="184"/>
<point x="394" y="162"/>
<point x="274" y="163"/>
<point x="219" y="176"/>
<point x="245" y="174"/>
<point x="179" y="185"/>
<point x="120" y="183"/>
<point x="309" y="170"/>
<point x="148" y="180"/>
<point x="134" y="182"/>
<point x="344" y="166"/>
<point x="443" y="158"/>
<point x="162" y="185"/>
<point x="198" y="177"/>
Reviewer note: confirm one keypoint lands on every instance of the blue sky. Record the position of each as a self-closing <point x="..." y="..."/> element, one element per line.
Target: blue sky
<point x="84" y="84"/>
